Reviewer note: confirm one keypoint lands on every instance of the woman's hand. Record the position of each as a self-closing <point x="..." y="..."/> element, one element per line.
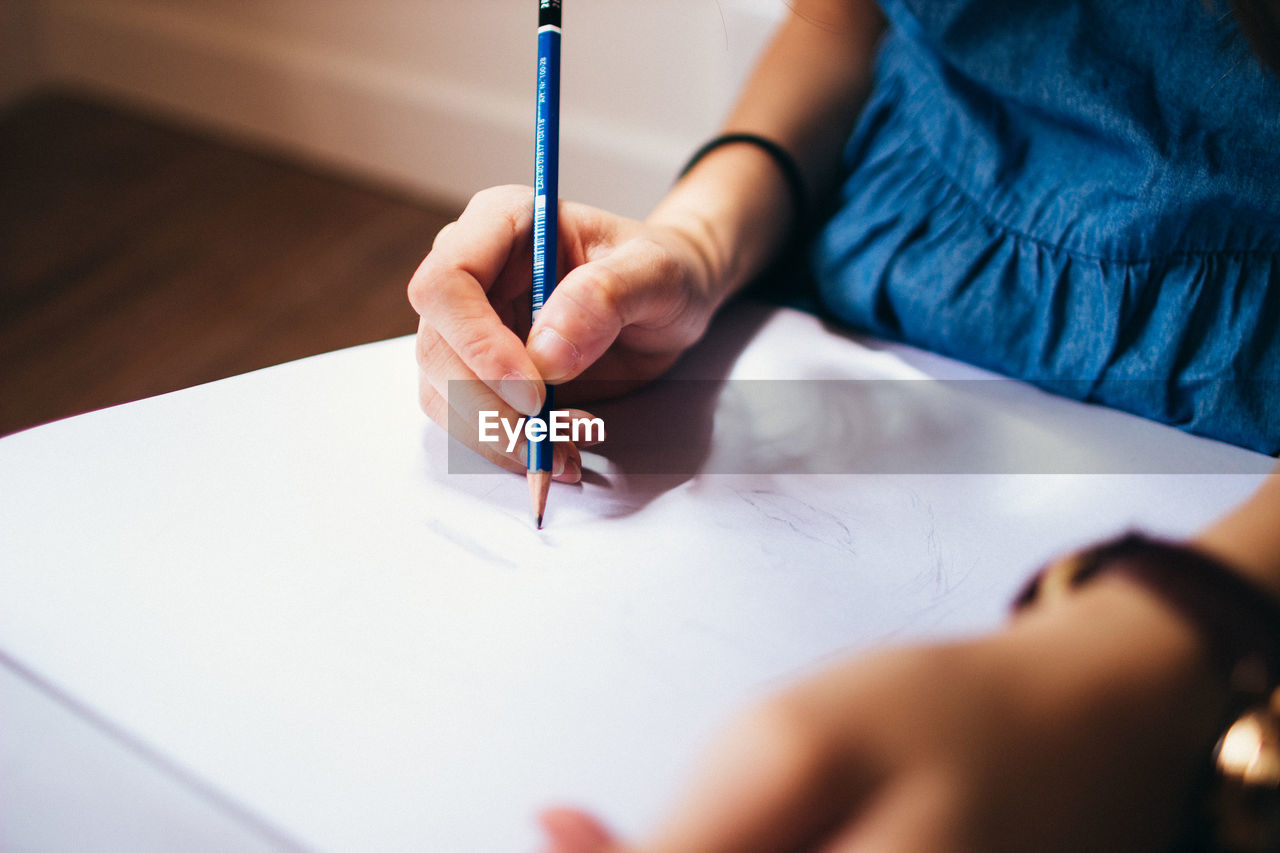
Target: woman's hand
<point x="631" y="299"/>
<point x="1079" y="727"/>
<point x="635" y="295"/>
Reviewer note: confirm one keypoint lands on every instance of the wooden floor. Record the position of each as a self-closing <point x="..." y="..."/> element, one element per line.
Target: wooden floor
<point x="138" y="258"/>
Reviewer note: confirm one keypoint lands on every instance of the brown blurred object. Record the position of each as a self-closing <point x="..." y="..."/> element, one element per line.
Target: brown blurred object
<point x="138" y="257"/>
<point x="1247" y="797"/>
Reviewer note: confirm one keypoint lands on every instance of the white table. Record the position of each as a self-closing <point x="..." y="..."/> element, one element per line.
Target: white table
<point x="262" y="614"/>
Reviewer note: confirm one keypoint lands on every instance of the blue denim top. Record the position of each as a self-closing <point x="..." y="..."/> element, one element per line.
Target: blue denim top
<point x="1081" y="193"/>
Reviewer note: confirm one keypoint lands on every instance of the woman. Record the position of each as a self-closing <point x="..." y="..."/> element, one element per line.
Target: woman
<point x="1079" y="194"/>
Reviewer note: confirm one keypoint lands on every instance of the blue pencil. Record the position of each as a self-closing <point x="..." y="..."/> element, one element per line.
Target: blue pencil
<point x="546" y="169"/>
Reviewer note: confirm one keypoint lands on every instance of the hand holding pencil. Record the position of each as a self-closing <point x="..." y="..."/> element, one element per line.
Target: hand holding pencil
<point x="631" y="298"/>
<point x="626" y="309"/>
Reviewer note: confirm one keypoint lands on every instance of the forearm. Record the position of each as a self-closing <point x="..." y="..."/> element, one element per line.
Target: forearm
<point x="804" y="94"/>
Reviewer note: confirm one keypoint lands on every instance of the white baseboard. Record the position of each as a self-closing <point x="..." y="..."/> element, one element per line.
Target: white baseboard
<point x="433" y="136"/>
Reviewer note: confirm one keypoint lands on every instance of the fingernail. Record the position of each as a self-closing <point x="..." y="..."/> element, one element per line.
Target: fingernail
<point x="557" y="355"/>
<point x="520" y="393"/>
<point x="574" y="467"/>
<point x="557" y="465"/>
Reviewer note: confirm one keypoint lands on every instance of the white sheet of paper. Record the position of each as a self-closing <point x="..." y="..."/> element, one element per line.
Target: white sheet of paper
<point x="274" y="581"/>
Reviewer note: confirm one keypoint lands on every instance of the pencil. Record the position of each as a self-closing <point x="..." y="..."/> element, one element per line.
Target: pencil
<point x="546" y="169"/>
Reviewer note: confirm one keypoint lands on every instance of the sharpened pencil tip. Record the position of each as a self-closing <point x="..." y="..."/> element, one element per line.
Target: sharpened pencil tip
<point x="539" y="485"/>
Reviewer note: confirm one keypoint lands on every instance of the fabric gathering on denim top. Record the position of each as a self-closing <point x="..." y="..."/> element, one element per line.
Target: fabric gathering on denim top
<point x="1084" y="194"/>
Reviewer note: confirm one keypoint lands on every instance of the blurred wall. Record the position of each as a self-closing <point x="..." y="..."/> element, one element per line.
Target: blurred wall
<point x="435" y="95"/>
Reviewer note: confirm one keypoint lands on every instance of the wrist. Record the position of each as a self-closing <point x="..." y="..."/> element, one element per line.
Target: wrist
<point x="1117" y="663"/>
<point x="1125" y="639"/>
<point x="708" y="262"/>
<point x="1121" y="692"/>
<point x="1197" y="621"/>
<point x="737" y="207"/>
<point x="1237" y="621"/>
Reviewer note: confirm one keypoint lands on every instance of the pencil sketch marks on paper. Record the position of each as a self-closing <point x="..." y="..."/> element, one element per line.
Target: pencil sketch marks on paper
<point x="936" y="577"/>
<point x="801" y="517"/>
<point x="471" y="546"/>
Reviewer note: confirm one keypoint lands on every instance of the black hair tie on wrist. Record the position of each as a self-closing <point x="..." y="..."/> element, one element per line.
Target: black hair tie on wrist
<point x="785" y="162"/>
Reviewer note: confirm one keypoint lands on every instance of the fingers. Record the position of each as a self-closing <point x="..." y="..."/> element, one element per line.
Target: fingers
<point x="465" y="430"/>
<point x="582" y="424"/>
<point x="472" y="291"/>
<point x="913" y="815"/>
<point x="467" y="393"/>
<point x="771" y="787"/>
<point x="474" y="264"/>
<point x="775" y="784"/>
<point x="639" y="284"/>
<point x="458" y="413"/>
<point x="574" y="831"/>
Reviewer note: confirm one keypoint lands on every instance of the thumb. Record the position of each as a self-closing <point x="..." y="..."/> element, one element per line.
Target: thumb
<point x="584" y="315"/>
